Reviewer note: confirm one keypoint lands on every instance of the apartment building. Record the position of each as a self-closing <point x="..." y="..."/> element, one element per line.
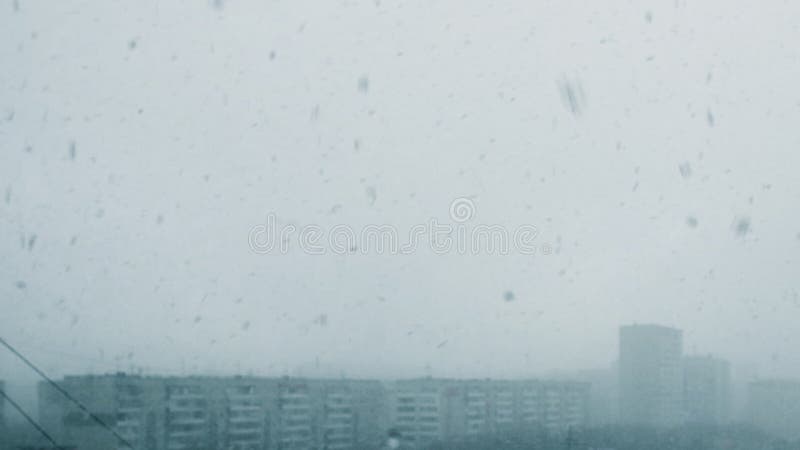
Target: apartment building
<point x="428" y="410"/>
<point x="651" y="375"/>
<point x="707" y="389"/>
<point x="338" y="420"/>
<point x="774" y="406"/>
<point x="245" y="418"/>
<point x="253" y="413"/>
<point x="189" y="416"/>
<point x="70" y="425"/>
<point x="232" y="413"/>
<point x="293" y="429"/>
<point x="421" y="409"/>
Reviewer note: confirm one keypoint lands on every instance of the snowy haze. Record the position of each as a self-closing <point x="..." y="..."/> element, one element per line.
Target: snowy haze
<point x="654" y="146"/>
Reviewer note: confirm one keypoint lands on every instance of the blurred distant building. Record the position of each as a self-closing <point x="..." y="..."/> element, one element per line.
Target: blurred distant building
<point x="555" y="405"/>
<point x="650" y="375"/>
<point x="604" y="394"/>
<point x="774" y="406"/>
<point x="253" y="413"/>
<point x="707" y="389"/>
<point x="741" y="377"/>
<point x="428" y="410"/>
<point x="232" y="413"/>
<point x="422" y="410"/>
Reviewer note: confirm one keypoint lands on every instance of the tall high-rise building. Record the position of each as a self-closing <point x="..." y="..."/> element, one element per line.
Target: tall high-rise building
<point x="774" y="406"/>
<point x="741" y="377"/>
<point x="707" y="389"/>
<point x="650" y="375"/>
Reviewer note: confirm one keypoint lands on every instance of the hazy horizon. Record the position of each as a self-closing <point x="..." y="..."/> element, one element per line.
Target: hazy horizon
<point x="654" y="148"/>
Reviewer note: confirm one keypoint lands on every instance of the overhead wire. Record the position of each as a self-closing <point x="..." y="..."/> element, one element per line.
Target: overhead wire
<point x="30" y="419"/>
<point x="66" y="394"/>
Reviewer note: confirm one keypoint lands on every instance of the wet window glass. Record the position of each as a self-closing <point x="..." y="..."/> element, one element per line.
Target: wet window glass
<point x="374" y="224"/>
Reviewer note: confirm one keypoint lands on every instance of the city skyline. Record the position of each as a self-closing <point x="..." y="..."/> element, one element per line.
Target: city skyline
<point x="427" y="372"/>
<point x="313" y="368"/>
<point x="656" y="385"/>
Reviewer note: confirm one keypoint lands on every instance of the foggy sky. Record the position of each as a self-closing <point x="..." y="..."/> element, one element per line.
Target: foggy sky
<point x="141" y="141"/>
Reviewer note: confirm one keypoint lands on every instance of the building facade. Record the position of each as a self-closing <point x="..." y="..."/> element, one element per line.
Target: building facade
<point x="650" y="375"/>
<point x="252" y="413"/>
<point x="428" y="410"/>
<point x="707" y="390"/>
<point x="232" y="413"/>
<point x="774" y="406"/>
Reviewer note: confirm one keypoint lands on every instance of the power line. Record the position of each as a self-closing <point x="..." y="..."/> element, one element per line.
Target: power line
<point x="66" y="394"/>
<point x="29" y="419"/>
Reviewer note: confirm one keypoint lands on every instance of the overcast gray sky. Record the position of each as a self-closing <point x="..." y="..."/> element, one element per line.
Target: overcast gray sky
<point x="140" y="141"/>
